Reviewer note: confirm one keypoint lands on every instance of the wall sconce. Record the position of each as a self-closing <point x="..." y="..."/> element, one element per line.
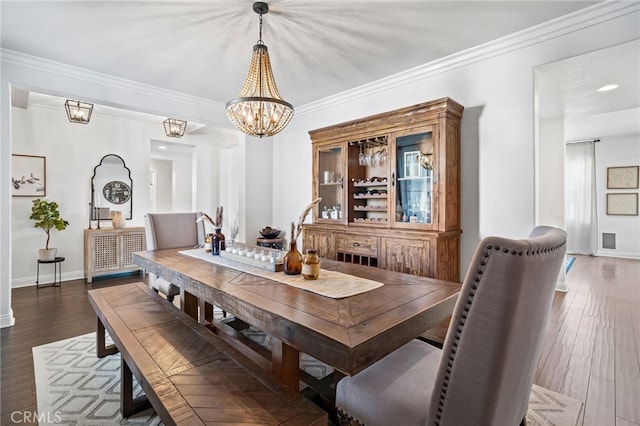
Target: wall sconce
<point x="174" y="127"/>
<point x="78" y="112"/>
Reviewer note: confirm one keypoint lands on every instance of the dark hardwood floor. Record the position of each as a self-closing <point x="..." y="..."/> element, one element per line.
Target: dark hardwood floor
<point x="591" y="349"/>
<point x="42" y="316"/>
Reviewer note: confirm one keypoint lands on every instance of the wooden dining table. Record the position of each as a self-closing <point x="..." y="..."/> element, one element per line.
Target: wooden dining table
<point x="349" y="334"/>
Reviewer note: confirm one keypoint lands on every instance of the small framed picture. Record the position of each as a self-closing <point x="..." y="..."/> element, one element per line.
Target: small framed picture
<point x="28" y="176"/>
<point x="623" y="177"/>
<point x="622" y="204"/>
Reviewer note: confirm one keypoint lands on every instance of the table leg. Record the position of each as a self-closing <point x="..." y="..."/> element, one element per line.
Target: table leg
<point x="285" y="364"/>
<point x="189" y="304"/>
<point x="205" y="312"/>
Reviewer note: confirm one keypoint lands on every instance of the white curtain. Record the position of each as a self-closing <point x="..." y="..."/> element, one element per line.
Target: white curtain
<point x="580" y="198"/>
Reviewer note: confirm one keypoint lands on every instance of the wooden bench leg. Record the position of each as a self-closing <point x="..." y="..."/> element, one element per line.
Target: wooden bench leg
<point x="101" y="348"/>
<point x="128" y="404"/>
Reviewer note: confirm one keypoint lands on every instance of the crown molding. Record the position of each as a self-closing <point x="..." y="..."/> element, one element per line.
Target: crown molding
<point x="572" y="22"/>
<point x="19" y="59"/>
<point x="554" y="28"/>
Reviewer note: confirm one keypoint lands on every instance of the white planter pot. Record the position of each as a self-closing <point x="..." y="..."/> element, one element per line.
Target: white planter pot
<point x="47" y="254"/>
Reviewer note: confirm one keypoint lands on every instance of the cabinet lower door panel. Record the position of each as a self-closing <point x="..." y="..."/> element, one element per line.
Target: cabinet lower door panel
<point x="105" y="253"/>
<point x="130" y="244"/>
<point x="408" y="256"/>
<point x="323" y="242"/>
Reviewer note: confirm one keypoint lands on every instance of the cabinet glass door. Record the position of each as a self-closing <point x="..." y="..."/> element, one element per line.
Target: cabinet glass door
<point x="414" y="178"/>
<point x="368" y="175"/>
<point x="330" y="187"/>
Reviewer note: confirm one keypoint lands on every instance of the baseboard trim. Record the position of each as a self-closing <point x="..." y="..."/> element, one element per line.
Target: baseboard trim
<point x="45" y="279"/>
<point x="7" y="320"/>
<point x="635" y="256"/>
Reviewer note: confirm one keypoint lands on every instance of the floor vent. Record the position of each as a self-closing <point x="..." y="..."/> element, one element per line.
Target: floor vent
<point x="608" y="240"/>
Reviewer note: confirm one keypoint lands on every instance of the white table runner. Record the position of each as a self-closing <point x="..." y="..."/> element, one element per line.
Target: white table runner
<point x="335" y="285"/>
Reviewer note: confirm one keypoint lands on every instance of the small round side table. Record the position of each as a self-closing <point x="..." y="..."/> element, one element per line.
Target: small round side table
<point x="57" y="270"/>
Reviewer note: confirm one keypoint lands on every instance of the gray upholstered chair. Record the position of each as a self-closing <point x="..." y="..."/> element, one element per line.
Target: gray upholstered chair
<point x="172" y="230"/>
<point x="484" y="372"/>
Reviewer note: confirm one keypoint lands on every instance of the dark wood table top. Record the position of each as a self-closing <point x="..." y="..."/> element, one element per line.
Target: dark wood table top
<point x="349" y="334"/>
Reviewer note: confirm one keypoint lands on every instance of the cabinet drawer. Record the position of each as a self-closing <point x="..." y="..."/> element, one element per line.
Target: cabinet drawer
<point x="357" y="244"/>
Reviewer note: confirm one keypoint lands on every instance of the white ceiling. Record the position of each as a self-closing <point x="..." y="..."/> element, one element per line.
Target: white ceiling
<point x="569" y="87"/>
<point x="317" y="48"/>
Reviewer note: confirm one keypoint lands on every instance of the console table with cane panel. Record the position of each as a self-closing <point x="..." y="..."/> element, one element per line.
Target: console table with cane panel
<point x="108" y="250"/>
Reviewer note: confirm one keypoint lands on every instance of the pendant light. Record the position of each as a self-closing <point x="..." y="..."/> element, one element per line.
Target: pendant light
<point x="78" y="112"/>
<point x="259" y="110"/>
<point x="174" y="128"/>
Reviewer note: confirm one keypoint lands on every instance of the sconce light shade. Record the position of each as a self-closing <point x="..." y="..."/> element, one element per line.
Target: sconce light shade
<point x="78" y="112"/>
<point x="174" y="127"/>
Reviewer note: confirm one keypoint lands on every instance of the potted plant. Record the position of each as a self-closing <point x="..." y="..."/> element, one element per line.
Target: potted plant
<point x="46" y="215"/>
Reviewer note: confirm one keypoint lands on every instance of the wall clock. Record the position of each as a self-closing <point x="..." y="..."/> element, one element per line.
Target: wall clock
<point x="116" y="192"/>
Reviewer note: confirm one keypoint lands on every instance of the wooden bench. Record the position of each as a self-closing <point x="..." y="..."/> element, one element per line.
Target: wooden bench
<point x="189" y="375"/>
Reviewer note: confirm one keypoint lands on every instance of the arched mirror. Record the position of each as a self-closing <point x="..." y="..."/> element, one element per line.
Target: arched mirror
<point x="111" y="188"/>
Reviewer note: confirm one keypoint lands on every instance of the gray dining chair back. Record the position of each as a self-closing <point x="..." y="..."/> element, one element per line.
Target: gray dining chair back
<point x="484" y="372"/>
<point x="172" y="230"/>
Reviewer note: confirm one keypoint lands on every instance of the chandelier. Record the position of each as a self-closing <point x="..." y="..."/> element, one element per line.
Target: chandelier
<point x="259" y="110"/>
<point x="174" y="127"/>
<point x="78" y="112"/>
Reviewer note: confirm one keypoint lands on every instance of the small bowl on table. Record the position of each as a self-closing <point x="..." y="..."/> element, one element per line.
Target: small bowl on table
<point x="269" y="233"/>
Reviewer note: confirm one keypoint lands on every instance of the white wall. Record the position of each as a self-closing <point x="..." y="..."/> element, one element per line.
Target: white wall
<point x="72" y="151"/>
<point x="182" y="183"/>
<point x="163" y="185"/>
<point x="617" y="151"/>
<point x="550" y="172"/>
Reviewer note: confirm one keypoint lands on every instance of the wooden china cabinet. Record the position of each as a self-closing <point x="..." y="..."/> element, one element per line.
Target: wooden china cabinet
<point x="390" y="189"/>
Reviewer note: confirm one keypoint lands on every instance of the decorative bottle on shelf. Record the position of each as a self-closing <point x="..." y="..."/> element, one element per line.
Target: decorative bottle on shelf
<point x="311" y="265"/>
<point x="217" y="242"/>
<point x="293" y="260"/>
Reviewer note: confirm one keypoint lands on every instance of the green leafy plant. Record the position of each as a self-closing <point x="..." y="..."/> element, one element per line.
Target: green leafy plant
<point x="46" y="215"/>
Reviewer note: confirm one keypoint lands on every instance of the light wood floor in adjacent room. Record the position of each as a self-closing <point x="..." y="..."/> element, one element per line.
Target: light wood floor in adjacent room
<point x="591" y="350"/>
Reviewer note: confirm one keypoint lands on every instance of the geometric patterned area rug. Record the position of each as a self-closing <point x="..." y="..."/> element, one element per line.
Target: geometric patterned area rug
<point x="551" y="408"/>
<point x="75" y="387"/>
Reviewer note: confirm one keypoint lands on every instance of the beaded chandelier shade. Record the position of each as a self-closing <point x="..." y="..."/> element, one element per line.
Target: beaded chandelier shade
<point x="259" y="110"/>
<point x="78" y="112"/>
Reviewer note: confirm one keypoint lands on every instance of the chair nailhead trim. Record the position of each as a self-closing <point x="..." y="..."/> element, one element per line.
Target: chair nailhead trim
<point x="467" y="307"/>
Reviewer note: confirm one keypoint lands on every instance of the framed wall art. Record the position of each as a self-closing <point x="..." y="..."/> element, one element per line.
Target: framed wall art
<point x="623" y="177"/>
<point x="28" y="176"/>
<point x="622" y="204"/>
